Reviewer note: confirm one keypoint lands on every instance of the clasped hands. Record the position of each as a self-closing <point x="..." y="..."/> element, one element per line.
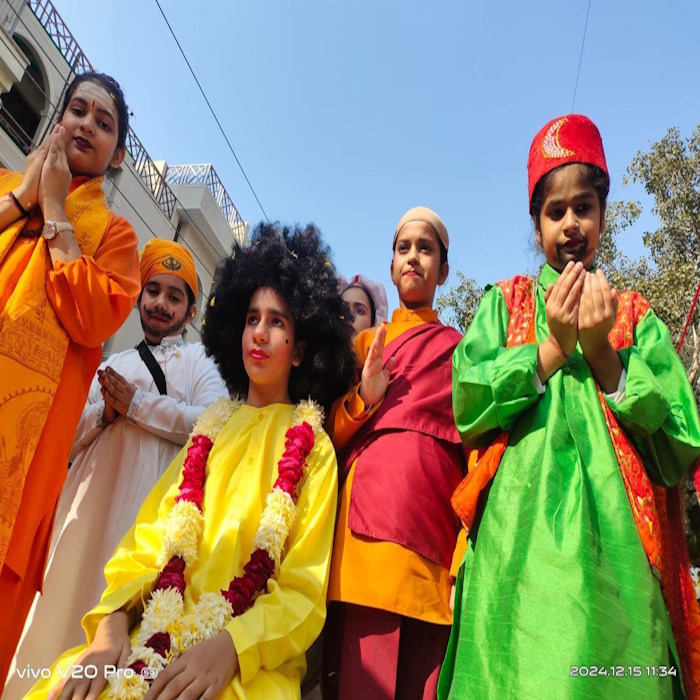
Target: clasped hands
<point x="47" y="176"/>
<point x="117" y="393"/>
<point x="581" y="307"/>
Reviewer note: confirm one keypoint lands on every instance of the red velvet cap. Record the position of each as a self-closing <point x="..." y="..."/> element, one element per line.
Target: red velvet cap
<point x="570" y="139"/>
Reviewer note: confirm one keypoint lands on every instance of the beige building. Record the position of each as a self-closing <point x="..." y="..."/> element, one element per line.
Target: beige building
<point x="189" y="203"/>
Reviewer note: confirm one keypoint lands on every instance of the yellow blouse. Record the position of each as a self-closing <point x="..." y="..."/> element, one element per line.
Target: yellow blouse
<point x="273" y="635"/>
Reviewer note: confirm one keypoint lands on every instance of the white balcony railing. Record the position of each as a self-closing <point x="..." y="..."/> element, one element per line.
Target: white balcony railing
<point x="204" y="174"/>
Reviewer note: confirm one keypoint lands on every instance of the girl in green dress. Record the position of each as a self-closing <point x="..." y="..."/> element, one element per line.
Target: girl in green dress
<point x="590" y="418"/>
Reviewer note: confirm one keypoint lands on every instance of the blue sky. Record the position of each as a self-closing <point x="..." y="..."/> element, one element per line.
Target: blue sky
<point x="347" y="114"/>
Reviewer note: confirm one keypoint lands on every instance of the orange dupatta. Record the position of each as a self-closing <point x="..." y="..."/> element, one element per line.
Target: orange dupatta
<point x="33" y="343"/>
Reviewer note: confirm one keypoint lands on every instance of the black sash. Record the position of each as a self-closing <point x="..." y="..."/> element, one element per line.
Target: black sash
<point x="153" y="366"/>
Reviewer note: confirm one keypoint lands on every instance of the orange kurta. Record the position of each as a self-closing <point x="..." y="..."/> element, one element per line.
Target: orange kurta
<point x="91" y="296"/>
<point x="374" y="573"/>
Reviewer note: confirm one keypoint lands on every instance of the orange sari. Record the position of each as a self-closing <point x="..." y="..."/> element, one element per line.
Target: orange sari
<point x="53" y="321"/>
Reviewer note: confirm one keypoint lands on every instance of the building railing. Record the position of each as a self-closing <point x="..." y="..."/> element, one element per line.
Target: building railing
<point x="57" y="30"/>
<point x="204" y="174"/>
<point x="150" y="174"/>
<point x="60" y="34"/>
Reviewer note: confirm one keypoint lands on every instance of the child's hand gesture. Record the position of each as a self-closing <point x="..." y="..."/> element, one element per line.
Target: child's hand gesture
<point x="203" y="671"/>
<point x="110" y="414"/>
<point x="28" y="190"/>
<point x="375" y="377"/>
<point x="111" y="647"/>
<point x="596" y="315"/>
<point x="562" y="307"/>
<point x="117" y="392"/>
<point x="55" y="173"/>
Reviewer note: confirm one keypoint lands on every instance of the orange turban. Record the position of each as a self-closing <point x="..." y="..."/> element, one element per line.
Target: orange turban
<point x="163" y="257"/>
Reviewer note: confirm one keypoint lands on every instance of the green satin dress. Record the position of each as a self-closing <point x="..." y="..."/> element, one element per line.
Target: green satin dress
<point x="556" y="580"/>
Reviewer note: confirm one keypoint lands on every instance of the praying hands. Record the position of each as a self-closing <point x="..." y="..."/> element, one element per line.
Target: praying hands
<point x="117" y="393"/>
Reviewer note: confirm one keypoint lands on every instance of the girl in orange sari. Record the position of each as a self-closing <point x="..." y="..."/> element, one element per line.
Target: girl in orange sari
<point x="69" y="277"/>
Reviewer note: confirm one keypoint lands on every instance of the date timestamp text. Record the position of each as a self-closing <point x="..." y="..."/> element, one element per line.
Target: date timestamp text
<point x="594" y="671"/>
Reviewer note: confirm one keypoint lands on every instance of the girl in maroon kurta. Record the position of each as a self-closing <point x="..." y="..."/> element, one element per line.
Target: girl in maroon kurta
<point x="401" y="458"/>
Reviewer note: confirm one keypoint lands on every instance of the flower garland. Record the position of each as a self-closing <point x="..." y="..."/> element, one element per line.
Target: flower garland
<point x="166" y="630"/>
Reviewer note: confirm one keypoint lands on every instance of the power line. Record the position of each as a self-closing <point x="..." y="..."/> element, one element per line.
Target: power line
<point x="211" y="109"/>
<point x="580" y="58"/>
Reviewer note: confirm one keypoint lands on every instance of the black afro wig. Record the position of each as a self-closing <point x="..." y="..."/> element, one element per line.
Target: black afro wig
<point x="296" y="264"/>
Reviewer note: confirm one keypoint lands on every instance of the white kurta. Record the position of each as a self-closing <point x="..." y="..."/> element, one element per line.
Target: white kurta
<point x="113" y="469"/>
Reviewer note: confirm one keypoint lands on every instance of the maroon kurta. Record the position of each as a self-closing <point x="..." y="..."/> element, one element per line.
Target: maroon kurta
<point x="409" y="503"/>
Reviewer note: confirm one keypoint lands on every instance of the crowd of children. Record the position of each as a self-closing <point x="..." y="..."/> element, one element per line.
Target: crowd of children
<point x="502" y="519"/>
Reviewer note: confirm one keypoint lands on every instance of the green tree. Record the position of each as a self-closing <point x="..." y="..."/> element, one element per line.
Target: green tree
<point x="458" y="305"/>
<point x="669" y="271"/>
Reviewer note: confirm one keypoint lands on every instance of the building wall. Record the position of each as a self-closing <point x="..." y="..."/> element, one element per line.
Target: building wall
<point x="55" y="71"/>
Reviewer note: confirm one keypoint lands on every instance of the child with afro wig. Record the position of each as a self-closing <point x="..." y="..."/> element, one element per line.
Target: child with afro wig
<point x="296" y="264"/>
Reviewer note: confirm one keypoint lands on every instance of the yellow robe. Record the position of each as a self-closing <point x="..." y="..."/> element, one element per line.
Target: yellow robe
<point x="273" y="635"/>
